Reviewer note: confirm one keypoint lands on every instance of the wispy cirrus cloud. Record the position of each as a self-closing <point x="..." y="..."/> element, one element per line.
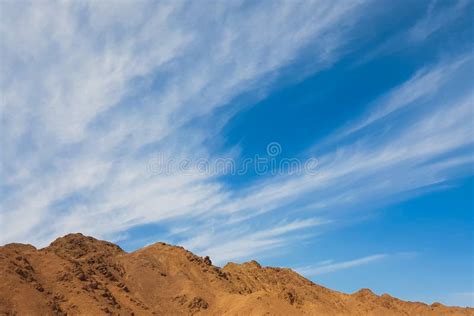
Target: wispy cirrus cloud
<point x="235" y="244"/>
<point x="421" y="151"/>
<point x="328" y="267"/>
<point x="402" y="154"/>
<point x="438" y="16"/>
<point x="91" y="91"/>
<point x="418" y="90"/>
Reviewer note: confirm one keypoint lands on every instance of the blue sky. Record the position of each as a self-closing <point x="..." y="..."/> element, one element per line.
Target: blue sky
<point x="97" y="96"/>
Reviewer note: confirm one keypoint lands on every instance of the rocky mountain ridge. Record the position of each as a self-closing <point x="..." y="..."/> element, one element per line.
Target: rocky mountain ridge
<point x="80" y="275"/>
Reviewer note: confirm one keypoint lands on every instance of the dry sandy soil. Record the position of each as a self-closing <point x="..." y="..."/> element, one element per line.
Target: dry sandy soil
<point x="79" y="275"/>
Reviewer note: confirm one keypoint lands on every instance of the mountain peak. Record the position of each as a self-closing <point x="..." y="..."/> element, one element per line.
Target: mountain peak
<point x="77" y="245"/>
<point x="365" y="293"/>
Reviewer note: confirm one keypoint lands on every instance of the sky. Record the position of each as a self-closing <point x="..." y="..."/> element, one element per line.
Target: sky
<point x="335" y="138"/>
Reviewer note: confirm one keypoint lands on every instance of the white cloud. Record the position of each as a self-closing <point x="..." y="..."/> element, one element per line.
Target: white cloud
<point x="337" y="266"/>
<point x="435" y="20"/>
<point x="438" y="16"/>
<point x="91" y="91"/>
<point x="233" y="244"/>
<point x="426" y="149"/>
<point x="414" y="92"/>
<point x="418" y="154"/>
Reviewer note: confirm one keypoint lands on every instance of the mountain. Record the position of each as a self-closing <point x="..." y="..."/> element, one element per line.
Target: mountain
<point x="79" y="275"/>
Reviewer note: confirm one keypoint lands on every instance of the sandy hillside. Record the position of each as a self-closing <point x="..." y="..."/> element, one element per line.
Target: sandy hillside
<point x="78" y="275"/>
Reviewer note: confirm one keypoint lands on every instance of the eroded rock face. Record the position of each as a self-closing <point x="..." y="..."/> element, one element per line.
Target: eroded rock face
<point x="80" y="275"/>
<point x="77" y="246"/>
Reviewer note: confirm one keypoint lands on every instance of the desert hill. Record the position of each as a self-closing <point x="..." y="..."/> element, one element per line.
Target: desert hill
<point x="79" y="275"/>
